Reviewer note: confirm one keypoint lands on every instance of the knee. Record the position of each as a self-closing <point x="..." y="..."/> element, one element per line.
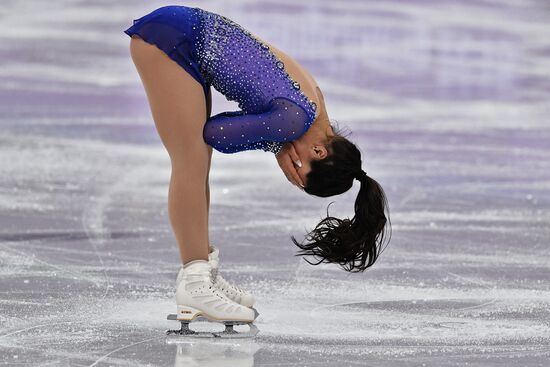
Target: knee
<point x="191" y="157"/>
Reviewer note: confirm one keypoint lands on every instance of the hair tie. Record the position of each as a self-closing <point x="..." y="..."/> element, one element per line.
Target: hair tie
<point x="360" y="175"/>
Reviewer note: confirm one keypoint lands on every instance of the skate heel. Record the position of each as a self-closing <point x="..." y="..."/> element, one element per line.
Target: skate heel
<point x="186" y="313"/>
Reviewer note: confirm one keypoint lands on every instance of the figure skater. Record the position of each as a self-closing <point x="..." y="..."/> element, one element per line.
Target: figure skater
<point x="179" y="53"/>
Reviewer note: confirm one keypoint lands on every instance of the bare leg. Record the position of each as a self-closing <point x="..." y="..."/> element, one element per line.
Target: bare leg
<point x="179" y="110"/>
<point x="208" y="113"/>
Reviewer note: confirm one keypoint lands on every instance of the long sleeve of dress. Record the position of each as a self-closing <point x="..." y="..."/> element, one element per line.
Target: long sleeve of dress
<point x="235" y="131"/>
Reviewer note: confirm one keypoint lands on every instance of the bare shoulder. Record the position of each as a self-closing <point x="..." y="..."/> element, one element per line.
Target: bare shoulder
<point x="320" y="95"/>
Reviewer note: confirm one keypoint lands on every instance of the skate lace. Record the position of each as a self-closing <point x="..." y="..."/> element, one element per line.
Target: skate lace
<point x="219" y="298"/>
<point x="225" y="285"/>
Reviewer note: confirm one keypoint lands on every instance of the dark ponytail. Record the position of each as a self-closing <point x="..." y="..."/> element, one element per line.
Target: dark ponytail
<point x="355" y="243"/>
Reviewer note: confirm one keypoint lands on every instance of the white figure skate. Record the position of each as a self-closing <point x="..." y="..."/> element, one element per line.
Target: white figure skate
<point x="199" y="300"/>
<point x="232" y="292"/>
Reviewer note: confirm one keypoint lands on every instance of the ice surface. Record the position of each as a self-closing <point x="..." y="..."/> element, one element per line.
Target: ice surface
<point x="449" y="103"/>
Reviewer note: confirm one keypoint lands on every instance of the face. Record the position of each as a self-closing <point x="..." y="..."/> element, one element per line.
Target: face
<point x="307" y="152"/>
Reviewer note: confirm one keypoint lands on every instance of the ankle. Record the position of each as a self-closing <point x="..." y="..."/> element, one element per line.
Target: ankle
<point x="197" y="261"/>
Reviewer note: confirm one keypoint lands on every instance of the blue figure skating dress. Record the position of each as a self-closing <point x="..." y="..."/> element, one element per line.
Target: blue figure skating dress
<point x="218" y="52"/>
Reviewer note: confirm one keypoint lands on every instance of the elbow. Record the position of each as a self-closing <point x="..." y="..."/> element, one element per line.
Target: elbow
<point x="215" y="144"/>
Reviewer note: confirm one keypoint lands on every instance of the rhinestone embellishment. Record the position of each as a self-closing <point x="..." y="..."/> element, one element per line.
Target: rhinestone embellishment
<point x="217" y="23"/>
<point x="274" y="147"/>
<point x="245" y="69"/>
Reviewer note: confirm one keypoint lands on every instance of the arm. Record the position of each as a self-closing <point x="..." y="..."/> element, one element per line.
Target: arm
<point x="231" y="132"/>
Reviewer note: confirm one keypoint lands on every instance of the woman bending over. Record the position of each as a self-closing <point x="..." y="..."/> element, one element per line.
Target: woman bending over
<point x="179" y="53"/>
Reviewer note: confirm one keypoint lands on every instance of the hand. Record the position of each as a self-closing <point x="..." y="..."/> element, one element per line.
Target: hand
<point x="288" y="161"/>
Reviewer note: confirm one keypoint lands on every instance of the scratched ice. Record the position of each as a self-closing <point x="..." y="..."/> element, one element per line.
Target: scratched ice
<point x="449" y="102"/>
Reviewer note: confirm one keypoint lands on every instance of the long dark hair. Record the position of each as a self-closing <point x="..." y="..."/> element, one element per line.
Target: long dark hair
<point x="354" y="243"/>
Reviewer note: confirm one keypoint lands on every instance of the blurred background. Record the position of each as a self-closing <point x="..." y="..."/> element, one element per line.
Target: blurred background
<point x="449" y="102"/>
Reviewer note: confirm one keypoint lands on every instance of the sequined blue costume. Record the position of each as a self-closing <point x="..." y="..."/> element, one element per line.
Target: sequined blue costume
<point x="219" y="52"/>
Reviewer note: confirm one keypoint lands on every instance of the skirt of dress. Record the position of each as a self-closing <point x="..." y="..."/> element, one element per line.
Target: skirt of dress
<point x="175" y="30"/>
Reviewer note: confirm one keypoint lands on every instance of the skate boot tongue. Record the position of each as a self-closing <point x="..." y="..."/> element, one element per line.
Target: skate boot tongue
<point x="197" y="268"/>
<point x="214" y="256"/>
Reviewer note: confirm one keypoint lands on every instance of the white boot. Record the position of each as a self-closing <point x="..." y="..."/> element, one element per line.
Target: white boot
<point x="196" y="295"/>
<point x="232" y="292"/>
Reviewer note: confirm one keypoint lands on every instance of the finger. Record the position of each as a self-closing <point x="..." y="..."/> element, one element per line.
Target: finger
<point x="290" y="171"/>
<point x="290" y="179"/>
<point x="295" y="176"/>
<point x="294" y="156"/>
<point x="294" y="173"/>
<point x="298" y="180"/>
<point x="288" y="168"/>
